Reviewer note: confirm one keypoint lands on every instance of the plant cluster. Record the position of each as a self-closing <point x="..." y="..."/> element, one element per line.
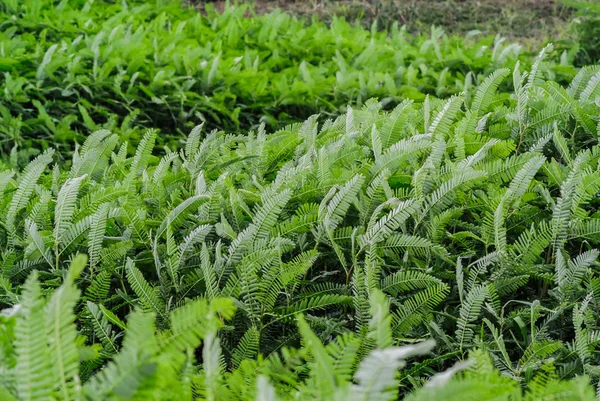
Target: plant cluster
<point x="301" y="259"/>
<point x="71" y="67"/>
<point x="587" y="29"/>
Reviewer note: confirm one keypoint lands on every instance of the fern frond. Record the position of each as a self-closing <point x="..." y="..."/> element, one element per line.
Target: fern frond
<point x="32" y="355"/>
<point x="103" y="330"/>
<point x="376" y="375"/>
<point x="96" y="235"/>
<point x="142" y="154"/>
<point x="485" y="91"/>
<point x="444" y="118"/>
<point x="180" y="213"/>
<point x="62" y="333"/>
<point x="312" y="303"/>
<point x="335" y="209"/>
<point x="148" y="296"/>
<point x="381" y="229"/>
<point x="27" y="181"/>
<point x="65" y="208"/>
<point x="131" y="371"/>
<point x="408" y="281"/>
<point x="247" y="347"/>
<point x="380" y="323"/>
<point x="391" y="131"/>
<point x="469" y="311"/>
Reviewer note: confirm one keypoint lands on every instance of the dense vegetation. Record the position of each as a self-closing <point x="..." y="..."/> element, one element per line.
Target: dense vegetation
<point x="71" y="67"/>
<point x="437" y="244"/>
<point x="587" y="28"/>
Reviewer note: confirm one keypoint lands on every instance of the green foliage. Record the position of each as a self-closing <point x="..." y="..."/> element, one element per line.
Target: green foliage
<point x="72" y="67"/>
<point x="439" y="243"/>
<point x="156" y="364"/>
<point x="587" y="29"/>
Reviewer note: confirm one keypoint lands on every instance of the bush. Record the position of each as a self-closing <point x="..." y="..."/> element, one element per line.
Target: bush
<point x="72" y="67"/>
<point x="587" y="28"/>
<point x="472" y="221"/>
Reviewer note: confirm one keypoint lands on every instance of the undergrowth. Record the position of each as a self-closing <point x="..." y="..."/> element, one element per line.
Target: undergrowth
<point x="293" y="264"/>
<point x="71" y="67"/>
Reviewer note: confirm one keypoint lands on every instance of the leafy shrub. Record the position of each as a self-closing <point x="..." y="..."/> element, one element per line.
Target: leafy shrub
<point x="472" y="221"/>
<point x="72" y="67"/>
<point x="587" y="28"/>
<point x="41" y="354"/>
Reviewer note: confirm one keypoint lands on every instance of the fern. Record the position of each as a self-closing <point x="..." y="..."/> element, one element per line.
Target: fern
<point x="31" y="348"/>
<point x="25" y="188"/>
<point x="469" y="311"/>
<point x="96" y="235"/>
<point x="62" y="334"/>
<point x="131" y="370"/>
<point x="472" y="220"/>
<point x="147" y="295"/>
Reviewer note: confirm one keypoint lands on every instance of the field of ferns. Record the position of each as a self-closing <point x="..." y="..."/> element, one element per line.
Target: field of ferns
<point x="226" y="205"/>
